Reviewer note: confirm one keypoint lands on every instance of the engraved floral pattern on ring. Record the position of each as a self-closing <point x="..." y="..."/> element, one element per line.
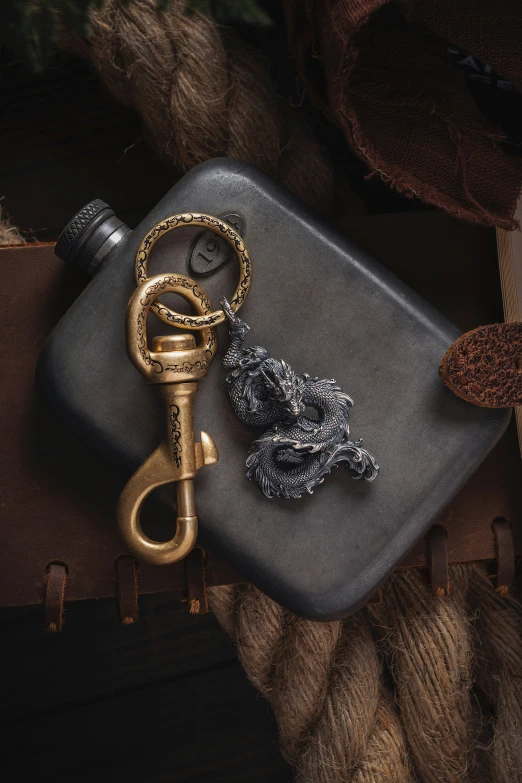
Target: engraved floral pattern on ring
<point x="229" y="234"/>
<point x="191" y="291"/>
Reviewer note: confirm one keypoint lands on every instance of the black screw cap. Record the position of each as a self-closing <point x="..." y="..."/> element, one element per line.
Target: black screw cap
<point x="80" y="227"/>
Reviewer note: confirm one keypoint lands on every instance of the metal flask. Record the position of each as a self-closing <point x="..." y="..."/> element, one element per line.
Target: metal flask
<point x="331" y="311"/>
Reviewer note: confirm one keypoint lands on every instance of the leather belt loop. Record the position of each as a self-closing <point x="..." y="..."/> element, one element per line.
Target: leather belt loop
<point x="196" y="581"/>
<point x="127" y="589"/>
<point x="55" y="581"/>
<point x="505" y="551"/>
<point x="439" y="572"/>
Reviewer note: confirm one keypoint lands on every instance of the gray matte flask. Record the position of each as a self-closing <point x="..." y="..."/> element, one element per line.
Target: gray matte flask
<point x="323" y="305"/>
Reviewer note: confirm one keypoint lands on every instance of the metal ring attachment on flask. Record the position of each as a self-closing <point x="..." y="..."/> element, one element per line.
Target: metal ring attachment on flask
<point x="219" y="227"/>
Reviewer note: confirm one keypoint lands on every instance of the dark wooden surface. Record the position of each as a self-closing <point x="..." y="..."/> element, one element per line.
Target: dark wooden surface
<point x="165" y="699"/>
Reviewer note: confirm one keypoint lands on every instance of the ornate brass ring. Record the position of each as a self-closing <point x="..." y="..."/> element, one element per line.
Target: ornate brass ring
<point x="219" y="227"/>
<point x="165" y="366"/>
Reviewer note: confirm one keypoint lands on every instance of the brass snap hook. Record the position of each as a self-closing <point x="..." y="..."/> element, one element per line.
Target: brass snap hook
<point x="175" y="364"/>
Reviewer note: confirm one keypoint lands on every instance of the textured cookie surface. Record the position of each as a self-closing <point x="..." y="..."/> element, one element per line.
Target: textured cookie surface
<point x="484" y="366"/>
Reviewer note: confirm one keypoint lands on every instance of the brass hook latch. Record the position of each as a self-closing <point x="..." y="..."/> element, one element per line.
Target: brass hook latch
<point x="175" y="364"/>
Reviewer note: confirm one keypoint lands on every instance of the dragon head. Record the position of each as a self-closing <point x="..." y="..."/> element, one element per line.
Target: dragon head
<point x="284" y="388"/>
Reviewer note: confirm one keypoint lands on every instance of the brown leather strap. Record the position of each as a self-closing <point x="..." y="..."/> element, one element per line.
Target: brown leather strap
<point x="196" y="581"/>
<point x="127" y="589"/>
<point x="55" y="580"/>
<point x="438" y="553"/>
<point x="493" y="491"/>
<point x="505" y="555"/>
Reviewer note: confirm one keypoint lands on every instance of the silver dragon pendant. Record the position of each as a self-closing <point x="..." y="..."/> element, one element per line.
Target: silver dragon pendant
<point x="297" y="451"/>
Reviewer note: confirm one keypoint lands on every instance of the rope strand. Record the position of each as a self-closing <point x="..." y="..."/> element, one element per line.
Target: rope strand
<point x="498" y="669"/>
<point x="202" y="93"/>
<point x="323" y="681"/>
<point x="429" y="648"/>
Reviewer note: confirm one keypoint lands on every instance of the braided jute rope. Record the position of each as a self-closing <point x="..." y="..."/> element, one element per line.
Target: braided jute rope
<point x="202" y="93"/>
<point x="429" y="650"/>
<point x="323" y="681"/>
<point x="388" y="695"/>
<point x="498" y="661"/>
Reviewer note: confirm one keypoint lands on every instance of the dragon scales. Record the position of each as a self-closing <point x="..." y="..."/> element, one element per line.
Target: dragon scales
<point x="297" y="450"/>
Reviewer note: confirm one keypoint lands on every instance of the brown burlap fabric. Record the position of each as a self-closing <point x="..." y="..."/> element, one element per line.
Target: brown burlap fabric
<point x="404" y="106"/>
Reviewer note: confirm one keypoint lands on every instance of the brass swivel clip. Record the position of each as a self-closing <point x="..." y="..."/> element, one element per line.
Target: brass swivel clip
<point x="175" y="364"/>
